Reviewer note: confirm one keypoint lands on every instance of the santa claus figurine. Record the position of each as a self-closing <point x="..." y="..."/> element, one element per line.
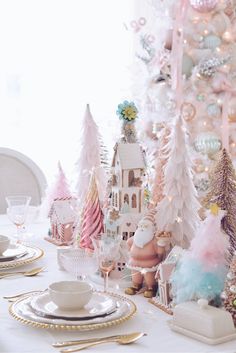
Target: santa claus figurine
<point x="146" y="252"/>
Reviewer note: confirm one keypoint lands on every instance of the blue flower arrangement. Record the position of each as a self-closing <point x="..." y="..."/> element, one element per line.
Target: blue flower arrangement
<point x="127" y="111"/>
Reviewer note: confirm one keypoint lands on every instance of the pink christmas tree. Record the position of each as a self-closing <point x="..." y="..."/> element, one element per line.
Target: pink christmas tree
<point x="92" y="216"/>
<point x="202" y="270"/>
<point x="60" y="189"/>
<point x="90" y="158"/>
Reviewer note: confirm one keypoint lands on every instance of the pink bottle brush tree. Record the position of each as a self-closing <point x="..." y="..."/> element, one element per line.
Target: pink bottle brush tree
<point x="92" y="216"/>
<point x="202" y="270"/>
<point x="60" y="189"/>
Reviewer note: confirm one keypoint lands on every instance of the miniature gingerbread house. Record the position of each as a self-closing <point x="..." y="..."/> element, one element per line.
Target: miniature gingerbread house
<point x="62" y="218"/>
<point x="127" y="197"/>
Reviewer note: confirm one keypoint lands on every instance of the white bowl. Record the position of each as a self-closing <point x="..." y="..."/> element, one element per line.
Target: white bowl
<point x="70" y="295"/>
<point x="4" y="243"/>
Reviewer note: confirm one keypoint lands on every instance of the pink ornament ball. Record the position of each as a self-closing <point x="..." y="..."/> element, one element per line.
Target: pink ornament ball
<point x="219" y="82"/>
<point x="203" y="5"/>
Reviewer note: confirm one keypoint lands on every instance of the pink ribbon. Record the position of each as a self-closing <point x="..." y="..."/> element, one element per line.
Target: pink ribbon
<point x="177" y="50"/>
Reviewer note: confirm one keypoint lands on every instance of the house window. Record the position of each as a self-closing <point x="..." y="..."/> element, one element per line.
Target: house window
<point x="125" y="235"/>
<point x="116" y="200"/>
<point x="131" y="178"/>
<point x="113" y="199"/>
<point x="131" y="234"/>
<point x="114" y="180"/>
<point x="126" y="199"/>
<point x="120" y="266"/>
<point x="134" y="201"/>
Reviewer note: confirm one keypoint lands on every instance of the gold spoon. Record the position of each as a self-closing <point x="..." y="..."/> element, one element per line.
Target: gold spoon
<point x="30" y="273"/>
<point x="121" y="340"/>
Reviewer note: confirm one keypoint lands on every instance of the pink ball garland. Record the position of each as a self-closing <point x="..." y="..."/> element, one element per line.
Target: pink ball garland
<point x="203" y="5"/>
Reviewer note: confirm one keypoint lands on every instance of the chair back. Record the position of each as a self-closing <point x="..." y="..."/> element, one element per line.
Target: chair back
<point x="19" y="175"/>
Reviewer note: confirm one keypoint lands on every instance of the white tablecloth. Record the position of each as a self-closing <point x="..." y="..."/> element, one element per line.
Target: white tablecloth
<point x="18" y="338"/>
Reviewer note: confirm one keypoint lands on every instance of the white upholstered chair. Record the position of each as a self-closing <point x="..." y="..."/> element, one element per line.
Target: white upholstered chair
<point x="19" y="175"/>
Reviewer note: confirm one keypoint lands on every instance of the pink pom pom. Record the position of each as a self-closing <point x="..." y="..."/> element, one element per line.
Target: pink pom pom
<point x="203" y="5"/>
<point x="210" y="245"/>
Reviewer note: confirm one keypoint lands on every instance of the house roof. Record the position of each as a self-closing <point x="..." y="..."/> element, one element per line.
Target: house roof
<point x="130" y="155"/>
<point x="63" y="211"/>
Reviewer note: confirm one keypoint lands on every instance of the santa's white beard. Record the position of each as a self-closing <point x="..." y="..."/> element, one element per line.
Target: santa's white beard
<point x="143" y="236"/>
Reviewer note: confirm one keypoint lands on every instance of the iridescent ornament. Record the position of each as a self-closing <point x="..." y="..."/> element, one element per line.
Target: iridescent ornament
<point x="219" y="23"/>
<point x="208" y="67"/>
<point x="230" y="276"/>
<point x="199" y="166"/>
<point x="232" y="289"/>
<point x="219" y="82"/>
<point x="203" y="5"/>
<point x="188" y="111"/>
<point x="207" y="143"/>
<point x="202" y="185"/>
<point x="213" y="110"/>
<point x="211" y="42"/>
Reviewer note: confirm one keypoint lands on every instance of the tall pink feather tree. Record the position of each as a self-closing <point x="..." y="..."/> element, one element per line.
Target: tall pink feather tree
<point x="60" y="189"/>
<point x="89" y="159"/>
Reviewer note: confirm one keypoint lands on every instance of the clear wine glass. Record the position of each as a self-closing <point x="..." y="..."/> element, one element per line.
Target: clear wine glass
<point x="79" y="262"/>
<point x="17" y="211"/>
<point x="107" y="250"/>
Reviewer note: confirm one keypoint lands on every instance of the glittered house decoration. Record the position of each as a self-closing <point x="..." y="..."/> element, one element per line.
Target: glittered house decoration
<point x="128" y="166"/>
<point x="164" y="271"/>
<point x="62" y="219"/>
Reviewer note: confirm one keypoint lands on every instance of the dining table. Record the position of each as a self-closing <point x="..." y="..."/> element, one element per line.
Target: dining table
<point x="16" y="337"/>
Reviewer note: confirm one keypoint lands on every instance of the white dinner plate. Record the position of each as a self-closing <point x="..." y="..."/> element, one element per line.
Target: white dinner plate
<point x="32" y="254"/>
<point x="99" y="304"/>
<point x="14" y="251"/>
<point x="22" y="311"/>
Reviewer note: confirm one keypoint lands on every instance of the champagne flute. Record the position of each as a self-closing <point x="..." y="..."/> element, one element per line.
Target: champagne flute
<point x="107" y="251"/>
<point x="17" y="212"/>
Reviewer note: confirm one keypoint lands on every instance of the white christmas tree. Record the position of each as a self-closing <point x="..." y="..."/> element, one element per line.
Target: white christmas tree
<point x="178" y="211"/>
<point x="89" y="159"/>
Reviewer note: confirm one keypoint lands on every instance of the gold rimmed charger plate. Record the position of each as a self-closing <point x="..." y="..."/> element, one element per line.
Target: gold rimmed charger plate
<point x="37" y="253"/>
<point x="79" y="327"/>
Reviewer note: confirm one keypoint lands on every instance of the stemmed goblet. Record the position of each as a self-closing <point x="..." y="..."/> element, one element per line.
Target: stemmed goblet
<point x="17" y="211"/>
<point x="107" y="250"/>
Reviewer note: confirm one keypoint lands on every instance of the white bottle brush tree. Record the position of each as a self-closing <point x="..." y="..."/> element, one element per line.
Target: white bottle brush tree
<point x="178" y="211"/>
